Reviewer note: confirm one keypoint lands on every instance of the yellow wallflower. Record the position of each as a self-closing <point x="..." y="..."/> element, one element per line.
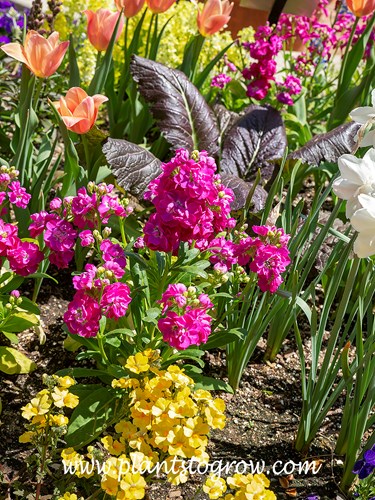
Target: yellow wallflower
<point x="65" y="383"/>
<point x="39" y="405"/>
<point x="214" y="412"/>
<point x="58" y="420"/>
<point x="112" y="445"/>
<point x="133" y="486"/>
<point x="176" y="473"/>
<point x="125" y="383"/>
<point x="137" y="363"/>
<point x="63" y="398"/>
<point x="214" y="486"/>
<point x="110" y="485"/>
<point x="26" y="437"/>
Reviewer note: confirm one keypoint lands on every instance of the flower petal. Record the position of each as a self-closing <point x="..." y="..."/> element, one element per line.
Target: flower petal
<point x="16" y="51"/>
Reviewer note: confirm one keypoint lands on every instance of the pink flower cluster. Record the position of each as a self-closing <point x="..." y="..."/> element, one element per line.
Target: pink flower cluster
<point x="291" y="86"/>
<point x="191" y="203"/>
<point x="11" y="188"/>
<point x="186" y="321"/>
<point x="24" y="257"/>
<point x="262" y="72"/>
<point x="75" y="216"/>
<point x="267" y="255"/>
<point x="220" y="80"/>
<point x="99" y="293"/>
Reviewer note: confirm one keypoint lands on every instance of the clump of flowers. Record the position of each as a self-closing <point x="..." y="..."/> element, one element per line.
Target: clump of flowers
<point x="45" y="413"/>
<point x="11" y="22"/>
<point x="24" y="257"/>
<point x="252" y="486"/>
<point x="267" y="255"/>
<point x="220" y="80"/>
<point x="167" y="423"/>
<point x="191" y="203"/>
<point x="186" y="321"/>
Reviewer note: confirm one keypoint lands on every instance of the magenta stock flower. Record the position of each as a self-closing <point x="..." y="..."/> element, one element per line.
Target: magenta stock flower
<point x="220" y="80"/>
<point x="84" y="209"/>
<point x="60" y="235"/>
<point x="8" y="234"/>
<point x="83" y="315"/>
<point x="24" y="257"/>
<point x="115" y="300"/>
<point x="191" y="203"/>
<point x="17" y="195"/>
<point x="113" y="252"/>
<point x="192" y="328"/>
<point x="174" y="295"/>
<point x="87" y="238"/>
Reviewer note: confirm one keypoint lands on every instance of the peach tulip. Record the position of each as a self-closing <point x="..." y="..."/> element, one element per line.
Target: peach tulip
<point x="159" y="6"/>
<point x="100" y="27"/>
<point x="78" y="110"/>
<point x="41" y="55"/>
<point x="131" y="7"/>
<point x="361" y="8"/>
<point x="214" y="16"/>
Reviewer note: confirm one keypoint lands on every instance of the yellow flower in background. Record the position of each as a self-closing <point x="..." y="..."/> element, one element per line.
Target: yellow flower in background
<point x="138" y="363"/>
<point x="214" y="486"/>
<point x="39" y="405"/>
<point x="64" y="383"/>
<point x="133" y="486"/>
<point x="112" y="445"/>
<point x="63" y="398"/>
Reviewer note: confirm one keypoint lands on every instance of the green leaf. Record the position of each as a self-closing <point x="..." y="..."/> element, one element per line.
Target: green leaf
<point x="86" y="372"/>
<point x="222" y="338"/>
<point x="11" y="336"/>
<point x="14" y="362"/>
<point x="19" y="322"/>
<point x="74" y="76"/>
<point x="99" y="410"/>
<point x="212" y="384"/>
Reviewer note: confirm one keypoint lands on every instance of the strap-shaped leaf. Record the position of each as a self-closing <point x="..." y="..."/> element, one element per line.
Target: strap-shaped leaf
<point x="133" y="166"/>
<point x="328" y="147"/>
<point x="254" y="142"/>
<point x="182" y="114"/>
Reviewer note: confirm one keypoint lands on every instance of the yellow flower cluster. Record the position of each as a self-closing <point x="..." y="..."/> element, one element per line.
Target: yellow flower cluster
<point x="244" y="487"/>
<point x="41" y="411"/>
<point x="70" y="496"/>
<point x="167" y="423"/>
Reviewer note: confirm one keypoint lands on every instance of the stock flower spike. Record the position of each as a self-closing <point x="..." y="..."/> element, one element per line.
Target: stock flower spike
<point x="41" y="55"/>
<point x="131" y="7"/>
<point x="214" y="16"/>
<point x="78" y="110"/>
<point x="100" y="27"/>
<point x="361" y="8"/>
<point x="159" y="6"/>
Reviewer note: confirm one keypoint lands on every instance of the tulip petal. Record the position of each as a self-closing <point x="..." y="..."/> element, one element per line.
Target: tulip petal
<point x="54" y="59"/>
<point x="16" y="51"/>
<point x="74" y="97"/>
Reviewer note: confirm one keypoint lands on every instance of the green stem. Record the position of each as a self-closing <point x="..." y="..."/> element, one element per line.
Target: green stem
<point x="149" y="35"/>
<point x="101" y="348"/>
<point x="347" y="51"/>
<point x="122" y="230"/>
<point x="86" y="149"/>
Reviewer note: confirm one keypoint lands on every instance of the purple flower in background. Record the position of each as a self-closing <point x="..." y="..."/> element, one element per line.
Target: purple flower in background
<point x="312" y="497"/>
<point x="366" y="465"/>
<point x="4" y="39"/>
<point x="4" y="4"/>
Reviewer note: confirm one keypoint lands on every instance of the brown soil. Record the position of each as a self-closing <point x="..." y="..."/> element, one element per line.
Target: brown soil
<point x="262" y="416"/>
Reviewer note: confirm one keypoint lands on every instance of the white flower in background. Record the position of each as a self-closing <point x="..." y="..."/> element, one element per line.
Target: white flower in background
<point x="363" y="221"/>
<point x="365" y="116"/>
<point x="357" y="177"/>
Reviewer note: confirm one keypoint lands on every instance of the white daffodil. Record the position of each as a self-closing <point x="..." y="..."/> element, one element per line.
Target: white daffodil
<point x="363" y="221"/>
<point x="366" y="116"/>
<point x="357" y="177"/>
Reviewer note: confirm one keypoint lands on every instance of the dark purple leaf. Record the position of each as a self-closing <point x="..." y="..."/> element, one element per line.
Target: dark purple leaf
<point x="180" y="110"/>
<point x="225" y="118"/>
<point x="133" y="166"/>
<point x="241" y="190"/>
<point x="328" y="147"/>
<point x="254" y="142"/>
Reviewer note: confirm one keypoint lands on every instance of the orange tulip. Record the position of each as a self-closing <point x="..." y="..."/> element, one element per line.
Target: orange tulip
<point x="100" y="27"/>
<point x="41" y="55"/>
<point x="214" y="16"/>
<point x="159" y="6"/>
<point x="131" y="7"/>
<point x="78" y="110"/>
<point x="361" y="8"/>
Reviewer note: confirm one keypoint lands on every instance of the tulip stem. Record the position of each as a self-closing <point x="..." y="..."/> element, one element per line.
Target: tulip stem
<point x="149" y="35"/>
<point x="86" y="148"/>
